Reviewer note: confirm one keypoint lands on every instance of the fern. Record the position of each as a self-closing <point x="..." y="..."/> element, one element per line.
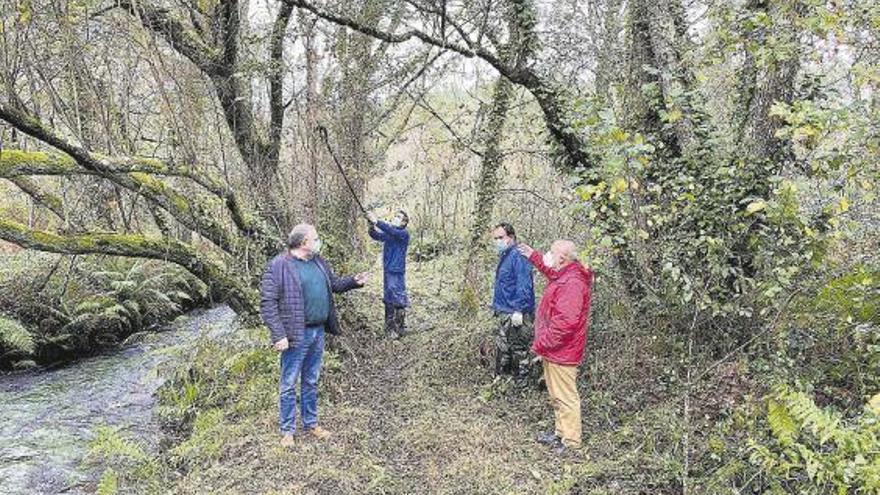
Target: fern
<point x="109" y="484"/>
<point x="93" y="305"/>
<point x="14" y="336"/>
<point x="781" y="423"/>
<point x="815" y="449"/>
<point x="129" y="468"/>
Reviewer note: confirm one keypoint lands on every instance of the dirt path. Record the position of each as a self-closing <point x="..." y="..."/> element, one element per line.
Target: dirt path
<point x="408" y="416"/>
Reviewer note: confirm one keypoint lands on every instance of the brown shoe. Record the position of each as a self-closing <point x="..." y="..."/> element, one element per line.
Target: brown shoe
<point x="287" y="440"/>
<point x="318" y="433"/>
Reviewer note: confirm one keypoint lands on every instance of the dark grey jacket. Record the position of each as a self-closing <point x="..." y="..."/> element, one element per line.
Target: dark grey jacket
<point x="281" y="299"/>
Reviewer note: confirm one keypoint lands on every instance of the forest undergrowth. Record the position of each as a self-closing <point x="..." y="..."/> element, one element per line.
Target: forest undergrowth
<point x="424" y="414"/>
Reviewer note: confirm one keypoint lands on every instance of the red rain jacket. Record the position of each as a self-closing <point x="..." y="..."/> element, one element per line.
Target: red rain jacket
<point x="563" y="316"/>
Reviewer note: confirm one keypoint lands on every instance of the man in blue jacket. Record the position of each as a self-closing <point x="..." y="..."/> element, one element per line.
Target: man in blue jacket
<point x="395" y="238"/>
<point x="296" y="303"/>
<point x="514" y="306"/>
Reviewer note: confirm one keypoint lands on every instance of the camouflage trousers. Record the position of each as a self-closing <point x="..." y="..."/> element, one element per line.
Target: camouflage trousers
<point x="395" y="321"/>
<point x="512" y="344"/>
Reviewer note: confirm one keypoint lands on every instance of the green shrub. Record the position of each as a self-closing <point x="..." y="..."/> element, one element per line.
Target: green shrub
<point x="206" y="440"/>
<point x="814" y="450"/>
<point x="75" y="306"/>
<point x="235" y="374"/>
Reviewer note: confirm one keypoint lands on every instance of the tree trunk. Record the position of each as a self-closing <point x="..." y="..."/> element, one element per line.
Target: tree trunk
<point x="310" y="137"/>
<point x="518" y="52"/>
<point x="487" y="189"/>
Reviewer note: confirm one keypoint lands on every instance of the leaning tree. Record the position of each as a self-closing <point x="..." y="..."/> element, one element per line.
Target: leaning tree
<point x="150" y="130"/>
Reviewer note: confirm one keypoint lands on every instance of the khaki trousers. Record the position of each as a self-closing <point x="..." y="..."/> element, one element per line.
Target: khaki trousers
<point x="561" y="383"/>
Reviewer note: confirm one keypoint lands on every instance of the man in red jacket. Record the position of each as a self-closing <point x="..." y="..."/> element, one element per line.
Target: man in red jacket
<point x="560" y="335"/>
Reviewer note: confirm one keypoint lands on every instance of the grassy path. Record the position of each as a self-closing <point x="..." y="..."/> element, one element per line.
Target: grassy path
<point x="411" y="416"/>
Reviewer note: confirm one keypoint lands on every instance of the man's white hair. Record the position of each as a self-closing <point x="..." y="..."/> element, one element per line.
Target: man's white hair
<point x="566" y="248"/>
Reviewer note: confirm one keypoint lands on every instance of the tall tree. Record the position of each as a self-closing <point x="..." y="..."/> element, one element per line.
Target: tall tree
<point x="516" y="52"/>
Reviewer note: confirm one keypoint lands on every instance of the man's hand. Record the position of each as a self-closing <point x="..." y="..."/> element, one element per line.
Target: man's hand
<point x="362" y="278"/>
<point x="525" y="250"/>
<point x="371" y="217"/>
<point x="516" y="319"/>
<point x="281" y="345"/>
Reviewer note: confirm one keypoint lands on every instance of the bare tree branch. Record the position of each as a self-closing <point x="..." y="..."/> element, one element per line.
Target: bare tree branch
<point x="16" y="163"/>
<point x="47" y="200"/>
<point x="548" y="96"/>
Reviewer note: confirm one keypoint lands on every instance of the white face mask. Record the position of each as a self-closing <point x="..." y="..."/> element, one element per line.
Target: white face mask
<point x="396" y="221"/>
<point x="548" y="259"/>
<point x="500" y="245"/>
<point x="316" y="248"/>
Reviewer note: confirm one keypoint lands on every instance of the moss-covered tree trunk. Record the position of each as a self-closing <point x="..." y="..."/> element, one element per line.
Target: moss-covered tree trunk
<point x="240" y="296"/>
<point x="359" y="56"/>
<point x="522" y="43"/>
<point x="487" y="188"/>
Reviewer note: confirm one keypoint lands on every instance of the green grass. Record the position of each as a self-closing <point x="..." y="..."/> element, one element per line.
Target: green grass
<point x="423" y="414"/>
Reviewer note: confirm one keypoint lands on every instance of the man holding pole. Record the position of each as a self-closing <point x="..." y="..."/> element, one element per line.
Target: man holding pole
<point x="395" y="239"/>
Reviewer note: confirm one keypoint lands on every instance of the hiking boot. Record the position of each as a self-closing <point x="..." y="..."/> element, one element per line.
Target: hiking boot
<point x="287" y="440"/>
<point x="560" y="448"/>
<point x="318" y="433"/>
<point x="548" y="438"/>
<point x="521" y="383"/>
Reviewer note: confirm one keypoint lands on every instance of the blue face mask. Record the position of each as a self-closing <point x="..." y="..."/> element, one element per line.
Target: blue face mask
<point x="500" y="245"/>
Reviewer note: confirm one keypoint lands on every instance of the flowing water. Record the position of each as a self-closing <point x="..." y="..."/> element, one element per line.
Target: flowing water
<point x="48" y="417"/>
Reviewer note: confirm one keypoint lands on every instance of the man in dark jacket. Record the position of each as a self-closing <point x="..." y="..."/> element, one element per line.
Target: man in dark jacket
<point x="296" y="304"/>
<point x="395" y="238"/>
<point x="514" y="306"/>
<point x="561" y="326"/>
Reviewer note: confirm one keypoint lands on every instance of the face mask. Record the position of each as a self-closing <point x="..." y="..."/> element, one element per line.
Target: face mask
<point x="500" y="245"/>
<point x="317" y="247"/>
<point x="397" y="222"/>
<point x="548" y="259"/>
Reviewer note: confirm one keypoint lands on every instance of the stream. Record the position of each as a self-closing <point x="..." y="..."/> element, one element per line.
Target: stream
<point x="48" y="417"/>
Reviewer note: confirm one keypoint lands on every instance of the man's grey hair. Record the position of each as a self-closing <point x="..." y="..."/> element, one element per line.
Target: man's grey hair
<point x="297" y="236"/>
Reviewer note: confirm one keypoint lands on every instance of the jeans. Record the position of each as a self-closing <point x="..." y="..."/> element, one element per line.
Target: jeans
<point x="301" y="362"/>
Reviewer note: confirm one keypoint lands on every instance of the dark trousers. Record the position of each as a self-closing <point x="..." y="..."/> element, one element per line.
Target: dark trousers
<point x="395" y="320"/>
<point x="512" y="345"/>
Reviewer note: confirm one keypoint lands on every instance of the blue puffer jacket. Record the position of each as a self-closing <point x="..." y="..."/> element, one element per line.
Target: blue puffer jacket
<point x="396" y="240"/>
<point x="514" y="287"/>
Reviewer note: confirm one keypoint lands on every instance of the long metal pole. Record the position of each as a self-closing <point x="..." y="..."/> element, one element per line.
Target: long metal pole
<point x="324" y="137"/>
